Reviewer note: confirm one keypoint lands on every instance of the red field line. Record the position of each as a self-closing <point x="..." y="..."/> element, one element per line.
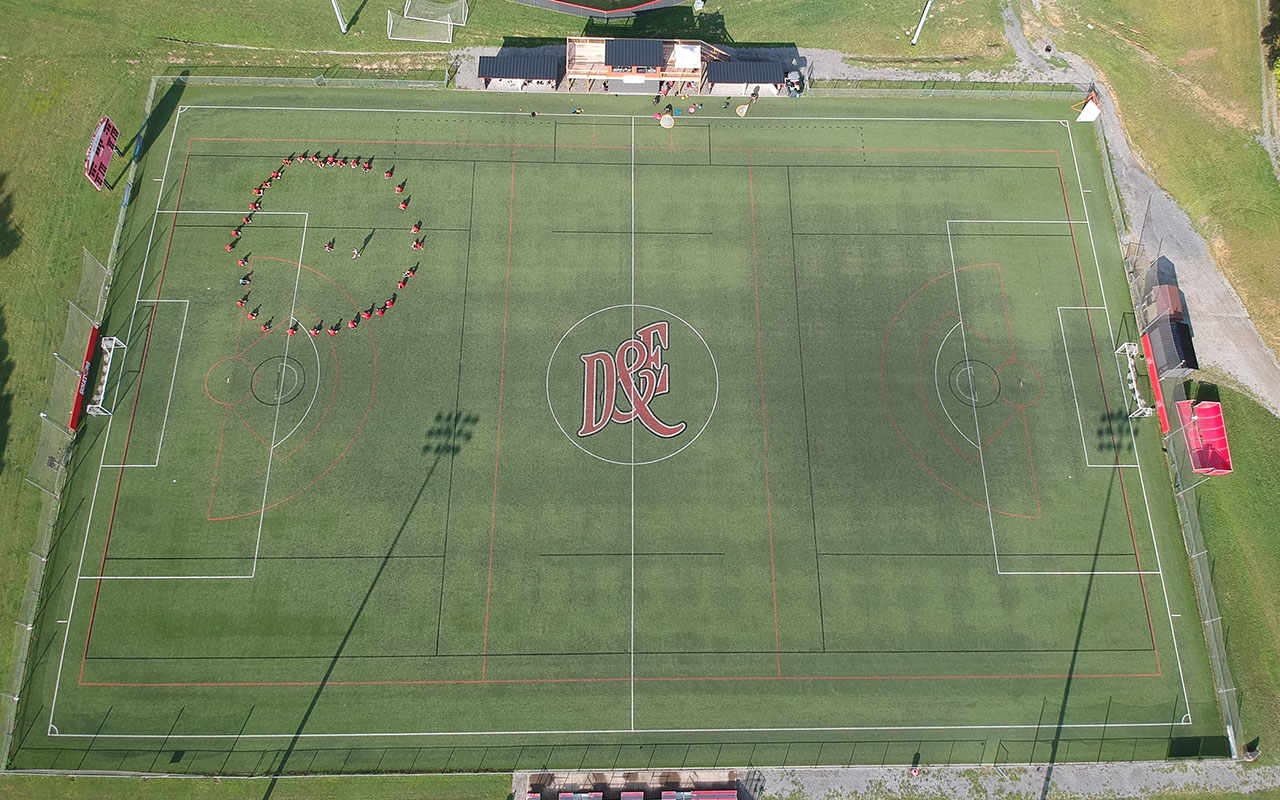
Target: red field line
<point x="142" y="368"/>
<point x="497" y="450"/>
<point x="1115" y="443"/>
<point x="764" y="426"/>
<point x="373" y="388"/>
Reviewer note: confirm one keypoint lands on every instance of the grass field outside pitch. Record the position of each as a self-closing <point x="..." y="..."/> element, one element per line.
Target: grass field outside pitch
<point x="863" y="577"/>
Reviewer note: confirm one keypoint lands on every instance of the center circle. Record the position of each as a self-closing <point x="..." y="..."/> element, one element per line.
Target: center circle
<point x="277" y="380"/>
<point x="626" y="353"/>
<point x="974" y="383"/>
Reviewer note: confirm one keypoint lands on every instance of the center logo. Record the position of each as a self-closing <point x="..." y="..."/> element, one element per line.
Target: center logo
<point x="637" y="369"/>
<point x="629" y="393"/>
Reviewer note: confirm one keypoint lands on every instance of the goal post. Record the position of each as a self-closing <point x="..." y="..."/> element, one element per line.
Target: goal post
<point x="427" y="21"/>
<point x="96" y="407"/>
<point x="1131" y="352"/>
<point x="452" y="13"/>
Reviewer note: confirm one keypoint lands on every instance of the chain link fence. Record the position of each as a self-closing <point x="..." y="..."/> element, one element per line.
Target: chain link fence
<point x="1140" y="262"/>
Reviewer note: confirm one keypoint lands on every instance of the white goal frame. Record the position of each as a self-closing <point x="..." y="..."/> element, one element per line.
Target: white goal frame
<point x="109" y="346"/>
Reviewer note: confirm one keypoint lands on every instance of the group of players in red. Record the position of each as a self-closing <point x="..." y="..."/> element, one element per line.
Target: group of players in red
<point x="256" y="205"/>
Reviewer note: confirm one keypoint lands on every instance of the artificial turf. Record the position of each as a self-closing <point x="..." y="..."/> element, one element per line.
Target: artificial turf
<point x="868" y="491"/>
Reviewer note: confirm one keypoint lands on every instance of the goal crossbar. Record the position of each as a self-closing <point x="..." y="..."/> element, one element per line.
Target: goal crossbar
<point x="110" y="345"/>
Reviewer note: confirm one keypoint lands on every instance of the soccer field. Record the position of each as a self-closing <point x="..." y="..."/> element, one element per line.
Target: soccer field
<point x="792" y="439"/>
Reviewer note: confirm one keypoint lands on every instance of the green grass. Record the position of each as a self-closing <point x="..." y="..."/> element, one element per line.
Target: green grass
<point x="438" y="555"/>
<point x="1189" y="88"/>
<point x="1239" y="531"/>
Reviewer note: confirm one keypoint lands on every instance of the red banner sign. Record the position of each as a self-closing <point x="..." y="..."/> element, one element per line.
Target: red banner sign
<point x="98" y="157"/>
<point x="77" y="407"/>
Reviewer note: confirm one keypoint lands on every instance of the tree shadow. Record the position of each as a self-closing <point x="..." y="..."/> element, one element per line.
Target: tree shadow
<point x="1271" y="35"/>
<point x="10" y="236"/>
<point x="6" y="397"/>
<point x="444" y="440"/>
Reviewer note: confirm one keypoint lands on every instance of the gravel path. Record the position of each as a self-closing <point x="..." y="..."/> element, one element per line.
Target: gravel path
<point x="1227" y="342"/>
<point x="988" y="783"/>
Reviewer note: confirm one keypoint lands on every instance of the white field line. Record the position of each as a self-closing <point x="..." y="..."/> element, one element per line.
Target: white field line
<point x="604" y="116"/>
<point x="982" y="462"/>
<point x="177" y="357"/>
<point x="237" y="213"/>
<point x="938" y="386"/>
<point x="169" y="577"/>
<point x="632" y="426"/>
<point x="600" y="731"/>
<point x="314" y="394"/>
<point x="271" y="451"/>
<point x="66" y="631"/>
<point x="1141" y="479"/>
<point x="1079" y="572"/>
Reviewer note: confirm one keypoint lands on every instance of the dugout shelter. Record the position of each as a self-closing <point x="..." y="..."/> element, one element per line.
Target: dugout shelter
<point x="1171" y="347"/>
<point x="641" y="66"/>
<point x="739" y="78"/>
<point x="520" y="73"/>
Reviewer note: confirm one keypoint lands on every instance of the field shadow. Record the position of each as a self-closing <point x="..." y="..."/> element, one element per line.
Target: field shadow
<point x="351" y="23"/>
<point x="1075" y="650"/>
<point x="445" y="437"/>
<point x="165" y="109"/>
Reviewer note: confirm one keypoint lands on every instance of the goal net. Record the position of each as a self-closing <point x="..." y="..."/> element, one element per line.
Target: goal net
<point x="453" y="13"/>
<point x="425" y="21"/>
<point x="110" y="345"/>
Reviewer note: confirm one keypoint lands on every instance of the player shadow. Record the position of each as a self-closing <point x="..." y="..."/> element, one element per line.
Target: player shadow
<point x="444" y="440"/>
<point x="6" y="396"/>
<point x="1075" y="649"/>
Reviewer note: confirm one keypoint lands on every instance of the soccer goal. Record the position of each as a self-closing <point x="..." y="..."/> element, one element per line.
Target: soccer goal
<point x="427" y="21"/>
<point x="1132" y="351"/>
<point x="110" y="345"/>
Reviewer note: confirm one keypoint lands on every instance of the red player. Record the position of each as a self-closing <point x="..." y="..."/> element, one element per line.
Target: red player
<point x="246" y="220"/>
<point x="367" y="165"/>
<point x="416" y="227"/>
<point x="255" y="206"/>
<point x="417" y="244"/>
<point x="235" y="232"/>
<point x="242" y="263"/>
<point x="400" y="189"/>
<point x="352" y="323"/>
<point x="342" y="163"/>
<point x="365" y="314"/>
<point x="316" y="330"/>
<point x="400" y="284"/>
<point x="391" y="301"/>
<point x="328" y="247"/>
<point x="266" y="184"/>
<point x="381" y="310"/>
<point x="253" y="314"/>
<point x="404" y="204"/>
<point x="242" y="301"/>
<point x="314" y="157"/>
<point x="293" y="329"/>
<point x="257" y="191"/>
<point x="275" y="174"/>
<point x="387" y="174"/>
<point x="330" y="160"/>
<point x="229" y="246"/>
<point x="266" y="326"/>
<point x="287" y="161"/>
<point x="333" y="331"/>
